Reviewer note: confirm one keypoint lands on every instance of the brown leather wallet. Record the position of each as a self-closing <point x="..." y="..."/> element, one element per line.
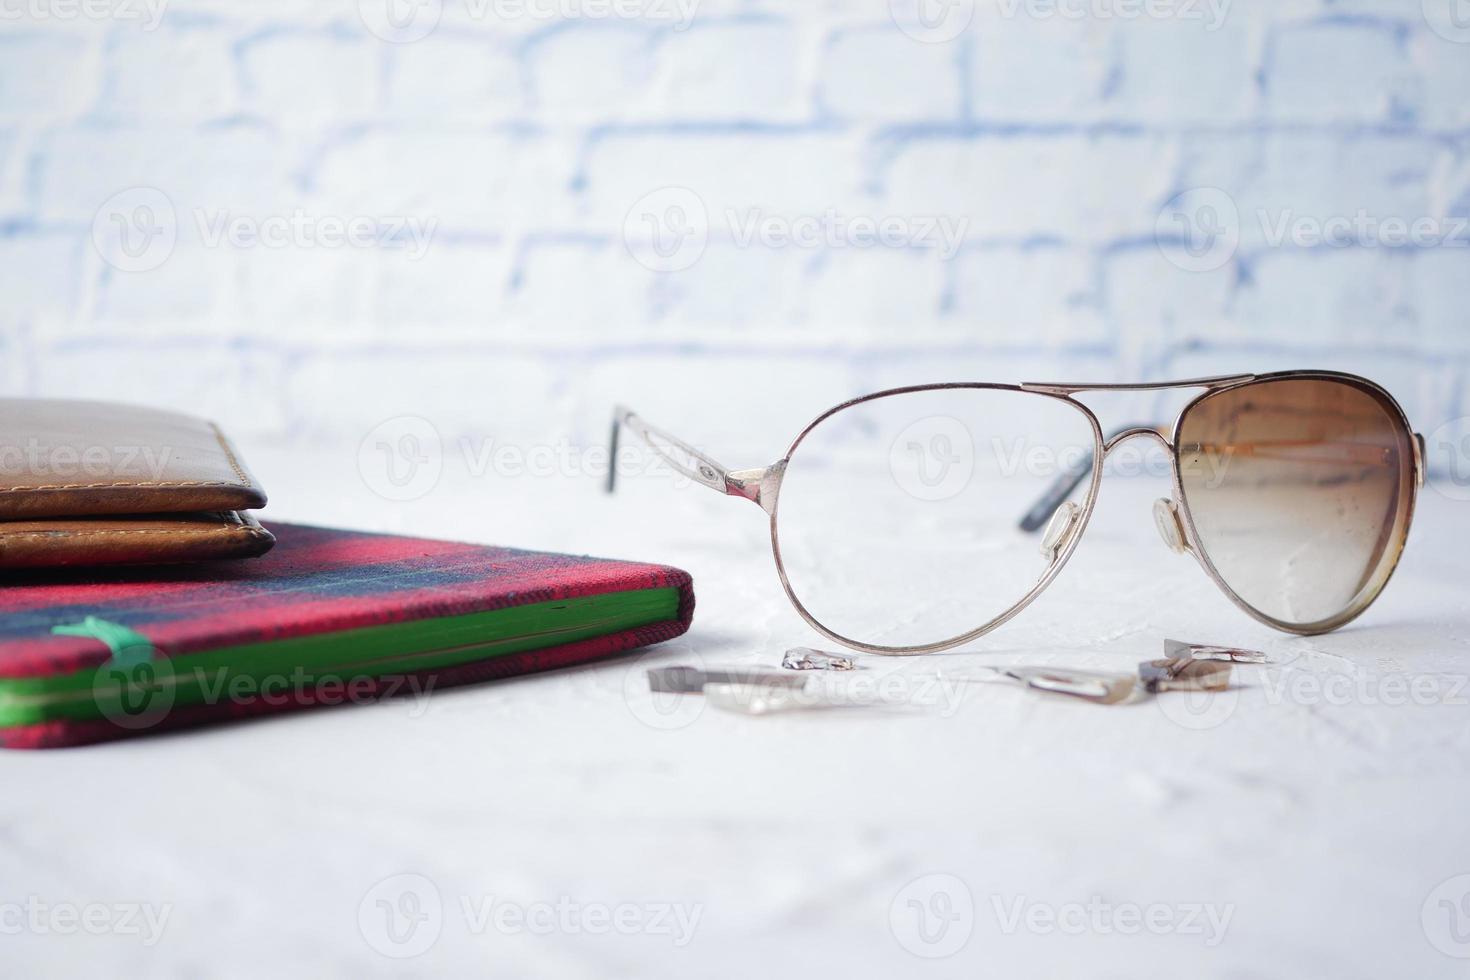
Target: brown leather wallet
<point x="93" y="483"/>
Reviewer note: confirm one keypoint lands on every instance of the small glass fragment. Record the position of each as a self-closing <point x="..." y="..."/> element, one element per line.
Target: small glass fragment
<point x="805" y="658"/>
<point x="682" y="679"/>
<point x="1178" y="649"/>
<point x="1184" y="674"/>
<point x="1089" y="685"/>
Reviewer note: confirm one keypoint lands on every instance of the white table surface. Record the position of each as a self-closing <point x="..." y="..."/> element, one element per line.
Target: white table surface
<point x="1310" y="823"/>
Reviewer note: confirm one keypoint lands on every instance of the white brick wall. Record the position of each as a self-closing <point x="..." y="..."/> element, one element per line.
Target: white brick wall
<point x="1055" y="131"/>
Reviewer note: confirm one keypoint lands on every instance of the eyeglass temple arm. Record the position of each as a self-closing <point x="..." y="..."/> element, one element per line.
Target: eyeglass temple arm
<point x="757" y="485"/>
<point x="1068" y="480"/>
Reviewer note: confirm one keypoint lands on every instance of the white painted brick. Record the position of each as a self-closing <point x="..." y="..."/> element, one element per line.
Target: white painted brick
<point x="1442" y="73"/>
<point x="1436" y="291"/>
<point x="619" y="56"/>
<point x="591" y="291"/>
<point x="1040" y="296"/>
<point x="237" y="389"/>
<point x="310" y="80"/>
<point x="282" y="289"/>
<point x="168" y="76"/>
<point x="1172" y="71"/>
<point x="44" y="77"/>
<point x="731" y="71"/>
<point x="732" y="293"/>
<point x="1024" y="186"/>
<point x="775" y="171"/>
<point x="240" y="167"/>
<point x="465" y="181"/>
<point x="1039" y="71"/>
<point x="1152" y="301"/>
<point x="888" y="296"/>
<point x="40" y="277"/>
<point x="463" y="286"/>
<point x="883" y="74"/>
<point x="1332" y="72"/>
<point x="1324" y="298"/>
<point x="179" y="297"/>
<point x="1316" y="178"/>
<point x="455" y="80"/>
<point x="459" y="392"/>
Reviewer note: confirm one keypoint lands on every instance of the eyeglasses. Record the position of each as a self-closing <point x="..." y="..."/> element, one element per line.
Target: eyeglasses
<point x="917" y="519"/>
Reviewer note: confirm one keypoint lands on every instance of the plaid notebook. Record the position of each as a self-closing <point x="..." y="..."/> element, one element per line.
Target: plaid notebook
<point x="327" y="617"/>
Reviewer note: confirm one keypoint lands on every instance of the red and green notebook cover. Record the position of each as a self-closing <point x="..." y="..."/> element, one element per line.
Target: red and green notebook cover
<point x="326" y="617"/>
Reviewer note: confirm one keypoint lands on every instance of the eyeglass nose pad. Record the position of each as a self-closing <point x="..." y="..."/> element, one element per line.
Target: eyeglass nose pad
<point x="1059" y="529"/>
<point x="1166" y="519"/>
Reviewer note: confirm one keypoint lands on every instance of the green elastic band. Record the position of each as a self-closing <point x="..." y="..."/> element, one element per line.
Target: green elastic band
<point x="129" y="647"/>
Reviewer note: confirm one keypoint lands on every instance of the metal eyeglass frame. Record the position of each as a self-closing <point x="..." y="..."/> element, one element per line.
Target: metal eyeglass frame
<point x="762" y="485"/>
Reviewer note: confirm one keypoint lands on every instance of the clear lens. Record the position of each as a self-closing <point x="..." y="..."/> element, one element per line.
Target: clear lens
<point x="1300" y="492"/>
<point x="898" y="518"/>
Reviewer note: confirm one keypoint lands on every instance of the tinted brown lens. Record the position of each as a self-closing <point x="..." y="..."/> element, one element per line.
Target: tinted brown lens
<point x="1300" y="492"/>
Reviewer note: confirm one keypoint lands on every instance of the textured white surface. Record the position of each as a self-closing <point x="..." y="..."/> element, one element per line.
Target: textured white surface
<point x="1319" y="819"/>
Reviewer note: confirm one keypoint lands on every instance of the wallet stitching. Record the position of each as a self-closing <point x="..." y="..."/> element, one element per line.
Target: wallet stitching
<point x="229" y="454"/>
<point x="211" y="529"/>
<point x="219" y="436"/>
